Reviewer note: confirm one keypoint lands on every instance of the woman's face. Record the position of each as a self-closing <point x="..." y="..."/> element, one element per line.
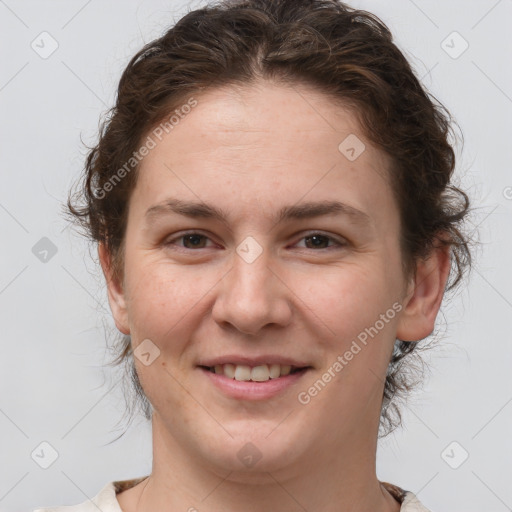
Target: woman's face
<point x="280" y="277"/>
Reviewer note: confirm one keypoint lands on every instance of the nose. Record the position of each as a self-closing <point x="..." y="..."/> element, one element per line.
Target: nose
<point x="252" y="296"/>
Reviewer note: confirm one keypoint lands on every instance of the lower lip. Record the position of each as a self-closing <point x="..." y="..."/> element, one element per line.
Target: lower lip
<point x="250" y="390"/>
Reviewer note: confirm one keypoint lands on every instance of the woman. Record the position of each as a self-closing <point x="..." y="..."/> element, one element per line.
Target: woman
<point x="272" y="205"/>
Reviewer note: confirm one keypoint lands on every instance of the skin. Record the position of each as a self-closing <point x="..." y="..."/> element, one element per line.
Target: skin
<point x="251" y="151"/>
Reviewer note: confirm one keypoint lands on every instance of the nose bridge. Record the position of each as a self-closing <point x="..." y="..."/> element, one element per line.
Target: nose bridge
<point x="250" y="296"/>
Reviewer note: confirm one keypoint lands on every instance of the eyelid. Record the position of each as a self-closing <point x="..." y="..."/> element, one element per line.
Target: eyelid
<point x="339" y="241"/>
<point x="180" y="235"/>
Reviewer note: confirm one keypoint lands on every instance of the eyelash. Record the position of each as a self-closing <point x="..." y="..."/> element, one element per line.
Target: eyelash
<point x="338" y="242"/>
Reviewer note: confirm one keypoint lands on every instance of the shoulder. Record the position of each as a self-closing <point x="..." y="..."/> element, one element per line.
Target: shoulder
<point x="105" y="500"/>
<point x="412" y="504"/>
<point x="408" y="500"/>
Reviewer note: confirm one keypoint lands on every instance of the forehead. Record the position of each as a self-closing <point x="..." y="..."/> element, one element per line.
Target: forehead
<point x="266" y="144"/>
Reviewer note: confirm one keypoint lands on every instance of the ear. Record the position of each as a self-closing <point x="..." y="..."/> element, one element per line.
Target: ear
<point x="425" y="295"/>
<point x="115" y="291"/>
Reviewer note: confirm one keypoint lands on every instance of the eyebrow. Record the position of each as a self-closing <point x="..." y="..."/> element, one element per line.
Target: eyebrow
<point x="306" y="210"/>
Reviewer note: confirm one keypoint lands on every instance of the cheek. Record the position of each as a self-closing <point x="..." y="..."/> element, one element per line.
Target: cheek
<point x="161" y="297"/>
<point x="162" y="385"/>
<point x="356" y="303"/>
<point x="346" y="299"/>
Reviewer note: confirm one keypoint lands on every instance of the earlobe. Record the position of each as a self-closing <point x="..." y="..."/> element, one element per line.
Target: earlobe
<point x="418" y="317"/>
<point x="116" y="297"/>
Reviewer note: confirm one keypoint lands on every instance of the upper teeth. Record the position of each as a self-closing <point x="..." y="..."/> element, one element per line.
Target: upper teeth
<point x="257" y="373"/>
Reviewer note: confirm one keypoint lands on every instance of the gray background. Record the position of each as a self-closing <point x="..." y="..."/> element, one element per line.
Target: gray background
<point x="53" y="313"/>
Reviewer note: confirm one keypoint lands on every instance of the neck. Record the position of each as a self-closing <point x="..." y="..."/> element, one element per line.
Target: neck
<point x="339" y="477"/>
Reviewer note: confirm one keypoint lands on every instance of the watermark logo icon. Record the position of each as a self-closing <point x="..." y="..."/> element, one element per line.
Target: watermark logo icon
<point x="454" y="45"/>
<point x="44" y="455"/>
<point x="146" y="352"/>
<point x="44" y="250"/>
<point x="352" y="147"/>
<point x="44" y="45"/>
<point x="249" y="455"/>
<point x="249" y="249"/>
<point x="454" y="455"/>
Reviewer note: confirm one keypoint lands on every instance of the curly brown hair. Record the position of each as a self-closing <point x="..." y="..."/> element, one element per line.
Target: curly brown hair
<point x="347" y="54"/>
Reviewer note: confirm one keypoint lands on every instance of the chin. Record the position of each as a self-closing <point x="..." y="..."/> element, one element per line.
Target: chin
<point x="254" y="452"/>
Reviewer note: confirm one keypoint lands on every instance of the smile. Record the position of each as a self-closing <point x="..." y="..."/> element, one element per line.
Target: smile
<point x="260" y="373"/>
<point x="260" y="382"/>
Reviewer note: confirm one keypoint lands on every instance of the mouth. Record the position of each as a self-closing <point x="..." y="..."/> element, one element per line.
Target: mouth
<point x="259" y="373"/>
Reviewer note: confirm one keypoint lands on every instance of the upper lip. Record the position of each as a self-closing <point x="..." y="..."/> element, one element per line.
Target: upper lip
<point x="253" y="361"/>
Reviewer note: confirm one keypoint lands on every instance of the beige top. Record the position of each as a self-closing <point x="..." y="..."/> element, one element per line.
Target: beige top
<point x="106" y="500"/>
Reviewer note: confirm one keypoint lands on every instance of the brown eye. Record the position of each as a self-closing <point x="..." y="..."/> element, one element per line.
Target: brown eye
<point x="190" y="240"/>
<point x="317" y="241"/>
<point x="195" y="240"/>
<point x="321" y="241"/>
